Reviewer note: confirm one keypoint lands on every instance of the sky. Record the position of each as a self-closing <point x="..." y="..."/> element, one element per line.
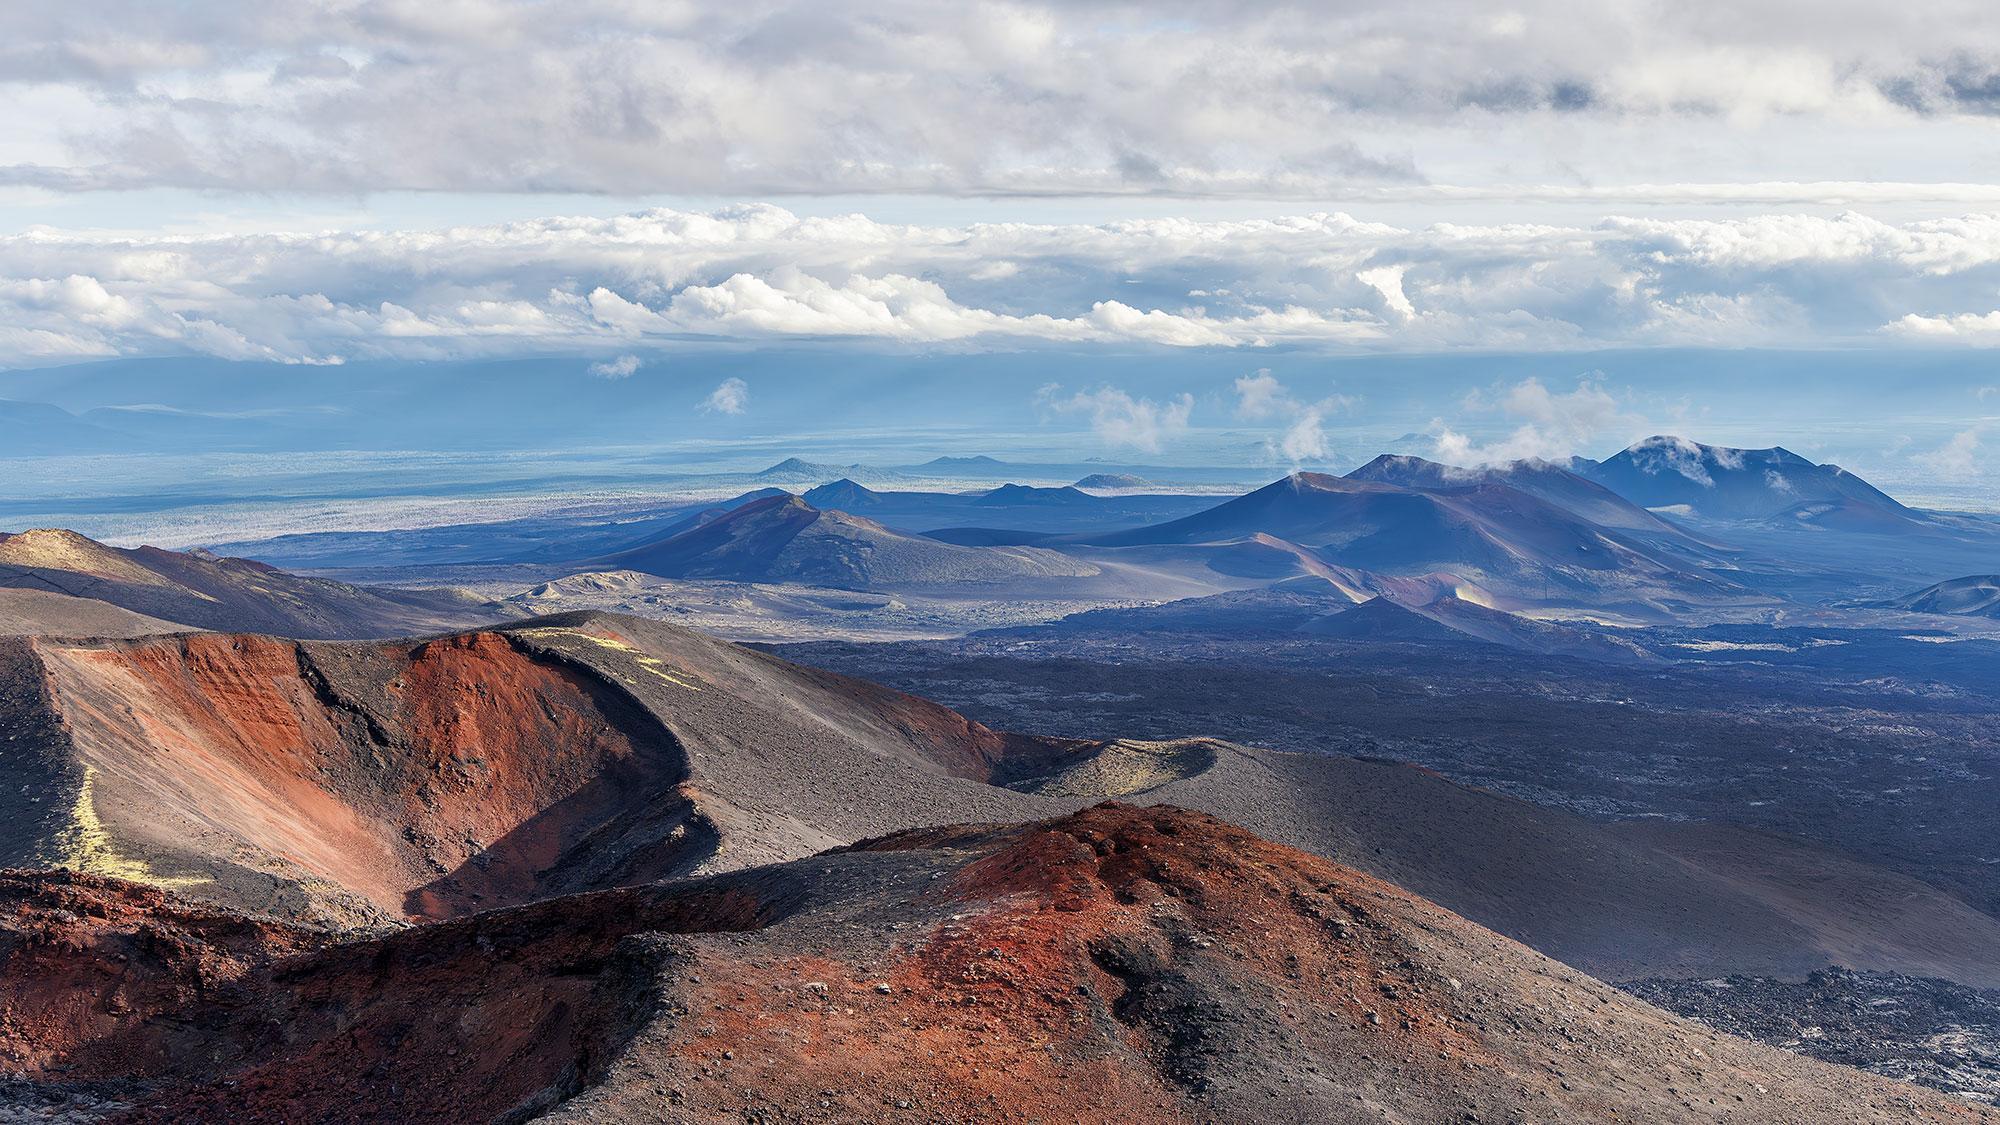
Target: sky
<point x="633" y="184"/>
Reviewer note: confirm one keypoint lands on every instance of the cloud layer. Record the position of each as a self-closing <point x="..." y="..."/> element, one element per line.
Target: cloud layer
<point x="772" y="96"/>
<point x="624" y="286"/>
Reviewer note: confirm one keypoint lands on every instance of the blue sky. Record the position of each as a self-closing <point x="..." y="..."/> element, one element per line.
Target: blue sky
<point x="1246" y="188"/>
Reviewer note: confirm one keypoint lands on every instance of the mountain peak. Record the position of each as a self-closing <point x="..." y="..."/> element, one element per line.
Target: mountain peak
<point x="1415" y="472"/>
<point x="1722" y="482"/>
<point x="843" y="494"/>
<point x="977" y="460"/>
<point x="1306" y="479"/>
<point x="1113" y="480"/>
<point x="1672" y="447"/>
<point x="1019" y="494"/>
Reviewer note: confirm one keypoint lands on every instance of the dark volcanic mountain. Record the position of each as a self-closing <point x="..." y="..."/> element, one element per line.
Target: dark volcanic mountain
<point x="785" y="539"/>
<point x="797" y="470"/>
<point x="210" y="592"/>
<point x="1379" y="618"/>
<point x="1977" y="595"/>
<point x="844" y="495"/>
<point x="1548" y="481"/>
<point x="1021" y="495"/>
<point x="1113" y="480"/>
<point x="1719" y="483"/>
<point x="1140" y="965"/>
<point x="1489" y="533"/>
<point x="977" y="461"/>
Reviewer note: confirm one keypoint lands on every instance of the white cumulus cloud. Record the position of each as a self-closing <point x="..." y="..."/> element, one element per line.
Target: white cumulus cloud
<point x="618" y="368"/>
<point x="1957" y="459"/>
<point x="1122" y="421"/>
<point x="1260" y="397"/>
<point x="731" y="396"/>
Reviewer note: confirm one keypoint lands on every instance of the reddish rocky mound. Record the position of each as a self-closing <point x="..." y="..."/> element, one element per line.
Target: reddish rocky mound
<point x="362" y="784"/>
<point x="381" y="772"/>
<point x="204" y="1015"/>
<point x="1119" y="964"/>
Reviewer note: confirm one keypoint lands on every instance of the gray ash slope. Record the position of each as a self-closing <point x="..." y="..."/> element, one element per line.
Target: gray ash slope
<point x="1877" y="750"/>
<point x="210" y="592"/>
<point x="46" y="613"/>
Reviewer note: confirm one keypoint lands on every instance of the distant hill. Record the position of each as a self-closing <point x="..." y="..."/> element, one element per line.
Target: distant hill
<point x="30" y="428"/>
<point x="1976" y="595"/>
<point x="845" y="495"/>
<point x="981" y="461"/>
<point x="1490" y="532"/>
<point x="797" y="470"/>
<point x="1113" y="480"/>
<point x="1720" y="483"/>
<point x="1021" y="495"/>
<point x="1381" y="619"/>
<point x="709" y="514"/>
<point x="786" y="539"/>
<point x="239" y="595"/>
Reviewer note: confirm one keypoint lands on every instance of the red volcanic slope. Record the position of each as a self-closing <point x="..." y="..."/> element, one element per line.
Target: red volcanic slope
<point x="367" y="783"/>
<point x="1119" y="964"/>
